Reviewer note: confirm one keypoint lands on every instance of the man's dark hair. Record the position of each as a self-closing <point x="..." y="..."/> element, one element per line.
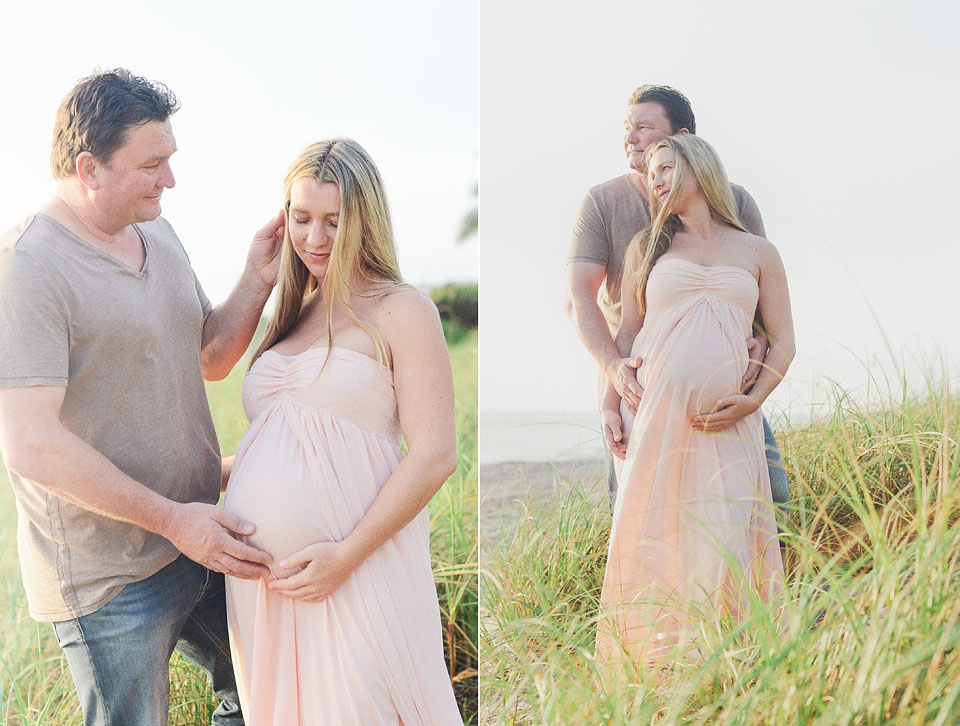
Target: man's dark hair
<point x="675" y="105"/>
<point x="99" y="110"/>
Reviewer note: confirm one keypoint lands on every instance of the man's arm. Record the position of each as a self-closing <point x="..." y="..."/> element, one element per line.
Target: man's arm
<point x="584" y="311"/>
<point x="38" y="448"/>
<point x="584" y="280"/>
<point x="229" y="328"/>
<point x="757" y="345"/>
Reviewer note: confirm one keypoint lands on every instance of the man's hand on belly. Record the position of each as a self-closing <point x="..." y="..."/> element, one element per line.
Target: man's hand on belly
<point x="623" y="376"/>
<point x="205" y="534"/>
<point x="755" y="352"/>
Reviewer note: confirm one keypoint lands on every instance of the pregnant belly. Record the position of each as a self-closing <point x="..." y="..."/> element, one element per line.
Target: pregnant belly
<point x="305" y="480"/>
<point x="694" y="366"/>
<point x="273" y="485"/>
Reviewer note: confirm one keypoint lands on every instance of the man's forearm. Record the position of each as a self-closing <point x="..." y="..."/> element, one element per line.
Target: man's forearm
<point x="592" y="328"/>
<point x="70" y="468"/>
<point x="229" y="328"/>
<point x="623" y="341"/>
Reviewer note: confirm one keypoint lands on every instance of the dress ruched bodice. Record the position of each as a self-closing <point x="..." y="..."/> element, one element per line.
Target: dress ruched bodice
<point x="678" y="283"/>
<point x="355" y="388"/>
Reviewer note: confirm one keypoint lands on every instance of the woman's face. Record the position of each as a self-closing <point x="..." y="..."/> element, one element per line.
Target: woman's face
<point x="660" y="172"/>
<point x="313" y="219"/>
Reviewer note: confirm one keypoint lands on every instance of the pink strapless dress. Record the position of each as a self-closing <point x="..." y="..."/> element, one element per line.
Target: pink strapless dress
<point x="320" y="446"/>
<point x="693" y="524"/>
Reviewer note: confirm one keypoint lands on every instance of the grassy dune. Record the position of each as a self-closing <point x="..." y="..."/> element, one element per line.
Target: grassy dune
<point x="869" y="631"/>
<point x="35" y="684"/>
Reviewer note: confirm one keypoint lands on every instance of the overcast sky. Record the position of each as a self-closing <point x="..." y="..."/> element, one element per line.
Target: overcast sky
<point x="837" y="117"/>
<point x="258" y="82"/>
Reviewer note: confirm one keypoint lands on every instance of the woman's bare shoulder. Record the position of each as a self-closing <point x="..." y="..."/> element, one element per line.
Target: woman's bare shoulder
<point x="404" y="306"/>
<point x="759" y="245"/>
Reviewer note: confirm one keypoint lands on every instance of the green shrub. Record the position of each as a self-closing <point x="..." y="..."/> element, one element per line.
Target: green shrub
<point x="457" y="304"/>
<point x="453" y="332"/>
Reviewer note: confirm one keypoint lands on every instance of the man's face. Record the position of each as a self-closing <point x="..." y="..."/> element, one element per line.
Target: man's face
<point x="130" y="185"/>
<point x="645" y="125"/>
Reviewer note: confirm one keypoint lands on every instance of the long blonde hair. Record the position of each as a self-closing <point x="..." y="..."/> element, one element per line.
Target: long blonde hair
<point x="363" y="249"/>
<point x="708" y="172"/>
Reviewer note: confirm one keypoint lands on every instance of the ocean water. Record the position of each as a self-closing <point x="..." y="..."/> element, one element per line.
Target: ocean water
<point x="539" y="436"/>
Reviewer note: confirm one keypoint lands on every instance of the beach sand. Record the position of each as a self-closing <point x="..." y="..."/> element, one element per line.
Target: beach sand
<point x="508" y="490"/>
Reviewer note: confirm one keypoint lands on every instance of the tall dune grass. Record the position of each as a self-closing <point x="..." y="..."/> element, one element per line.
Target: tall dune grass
<point x="35" y="684"/>
<point x="869" y="631"/>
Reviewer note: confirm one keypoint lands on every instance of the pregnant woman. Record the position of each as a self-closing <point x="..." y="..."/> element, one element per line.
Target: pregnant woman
<point x="347" y="629"/>
<point x="693" y="521"/>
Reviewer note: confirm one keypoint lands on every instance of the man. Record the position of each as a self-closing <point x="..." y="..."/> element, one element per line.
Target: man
<point x="105" y="337"/>
<point x="610" y="216"/>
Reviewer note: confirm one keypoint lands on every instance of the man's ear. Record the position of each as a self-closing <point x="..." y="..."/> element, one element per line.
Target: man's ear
<point x="87" y="166"/>
<point x="684" y="130"/>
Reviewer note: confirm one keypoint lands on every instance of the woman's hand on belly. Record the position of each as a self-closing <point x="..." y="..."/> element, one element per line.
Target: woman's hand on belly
<point x="726" y="412"/>
<point x="323" y="567"/>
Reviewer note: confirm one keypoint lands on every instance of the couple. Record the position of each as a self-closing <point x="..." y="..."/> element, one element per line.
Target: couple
<point x="105" y="338"/>
<point x="668" y="270"/>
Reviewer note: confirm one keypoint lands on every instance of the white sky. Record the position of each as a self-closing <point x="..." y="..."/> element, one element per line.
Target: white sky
<point x="838" y="117"/>
<point x="258" y="82"/>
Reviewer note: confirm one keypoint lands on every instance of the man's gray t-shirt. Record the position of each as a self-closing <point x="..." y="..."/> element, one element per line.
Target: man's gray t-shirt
<point x="126" y="345"/>
<point x="609" y="218"/>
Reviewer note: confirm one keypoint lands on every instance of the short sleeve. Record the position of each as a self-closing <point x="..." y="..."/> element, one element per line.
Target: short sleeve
<point x="34" y="325"/>
<point x="750" y="214"/>
<point x="589" y="243"/>
<point x="202" y="296"/>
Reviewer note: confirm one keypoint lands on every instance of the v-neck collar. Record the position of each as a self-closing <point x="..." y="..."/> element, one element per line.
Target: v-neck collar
<point x="139" y="274"/>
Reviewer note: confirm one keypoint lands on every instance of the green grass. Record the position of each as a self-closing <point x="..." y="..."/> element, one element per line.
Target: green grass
<point x="869" y="631"/>
<point x="35" y="684"/>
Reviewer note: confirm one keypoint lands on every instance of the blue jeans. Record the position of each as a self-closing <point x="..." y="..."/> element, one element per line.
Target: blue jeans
<point x="119" y="655"/>
<point x="779" y="487"/>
